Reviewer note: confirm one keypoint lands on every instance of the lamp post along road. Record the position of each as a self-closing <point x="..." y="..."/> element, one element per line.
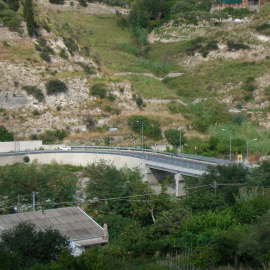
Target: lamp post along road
<point x="180" y="140"/>
<point x="142" y="135"/>
<point x="230" y="144"/>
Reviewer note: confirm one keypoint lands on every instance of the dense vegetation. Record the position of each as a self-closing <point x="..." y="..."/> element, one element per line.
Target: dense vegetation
<point x="52" y="183"/>
<point x="5" y="135"/>
<point x="223" y="220"/>
<point x="24" y="246"/>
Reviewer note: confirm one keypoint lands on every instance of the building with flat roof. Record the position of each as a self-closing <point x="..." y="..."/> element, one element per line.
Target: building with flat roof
<point x="250" y="4"/>
<point x="72" y="222"/>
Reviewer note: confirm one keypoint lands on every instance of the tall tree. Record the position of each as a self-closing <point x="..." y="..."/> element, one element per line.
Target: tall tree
<point x="13" y="4"/>
<point x="29" y="17"/>
<point x="27" y="246"/>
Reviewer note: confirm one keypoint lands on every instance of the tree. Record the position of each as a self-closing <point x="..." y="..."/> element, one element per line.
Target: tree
<point x="146" y="13"/>
<point x="55" y="87"/>
<point x="13" y="4"/>
<point x="28" y="246"/>
<point x="109" y="182"/>
<point x="219" y="187"/>
<point x="29" y="17"/>
<point x="260" y="176"/>
<point x="175" y="137"/>
<point x="5" y="135"/>
<point x="57" y="2"/>
<point x="150" y="128"/>
<point x="52" y="182"/>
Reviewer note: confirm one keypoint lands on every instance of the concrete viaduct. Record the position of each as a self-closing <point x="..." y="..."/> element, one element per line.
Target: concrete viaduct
<point x="151" y="164"/>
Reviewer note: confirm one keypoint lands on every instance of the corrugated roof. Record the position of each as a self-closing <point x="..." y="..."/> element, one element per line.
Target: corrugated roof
<point x="71" y="222"/>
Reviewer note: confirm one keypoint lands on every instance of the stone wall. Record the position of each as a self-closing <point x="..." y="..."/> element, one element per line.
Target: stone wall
<point x="20" y="146"/>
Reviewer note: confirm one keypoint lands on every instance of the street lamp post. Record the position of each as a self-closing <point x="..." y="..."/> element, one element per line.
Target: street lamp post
<point x="230" y="144"/>
<point x="248" y="141"/>
<point x="142" y="135"/>
<point x="180" y="140"/>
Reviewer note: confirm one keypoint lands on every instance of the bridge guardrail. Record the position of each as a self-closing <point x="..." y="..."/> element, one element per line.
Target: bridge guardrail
<point x="188" y="156"/>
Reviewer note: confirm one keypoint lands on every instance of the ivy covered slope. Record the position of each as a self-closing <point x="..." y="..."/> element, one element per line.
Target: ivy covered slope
<point x="74" y="69"/>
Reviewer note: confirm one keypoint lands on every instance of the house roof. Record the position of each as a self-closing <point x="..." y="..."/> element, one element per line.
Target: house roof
<point x="71" y="222"/>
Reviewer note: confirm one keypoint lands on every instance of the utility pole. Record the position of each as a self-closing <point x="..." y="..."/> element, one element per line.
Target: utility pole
<point x="230" y="147"/>
<point x="230" y="144"/>
<point x="34" y="201"/>
<point x="142" y="135"/>
<point x="142" y="140"/>
<point x="180" y="140"/>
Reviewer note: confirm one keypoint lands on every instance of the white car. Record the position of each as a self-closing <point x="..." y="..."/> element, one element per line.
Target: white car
<point x="65" y="148"/>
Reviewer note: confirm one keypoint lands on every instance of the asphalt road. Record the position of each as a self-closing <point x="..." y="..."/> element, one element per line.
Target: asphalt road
<point x="181" y="160"/>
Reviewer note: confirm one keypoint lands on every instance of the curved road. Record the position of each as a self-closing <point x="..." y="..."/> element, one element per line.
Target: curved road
<point x="197" y="163"/>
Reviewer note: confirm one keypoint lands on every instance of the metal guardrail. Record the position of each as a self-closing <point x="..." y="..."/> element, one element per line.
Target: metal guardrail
<point x="187" y="156"/>
<point x="197" y="163"/>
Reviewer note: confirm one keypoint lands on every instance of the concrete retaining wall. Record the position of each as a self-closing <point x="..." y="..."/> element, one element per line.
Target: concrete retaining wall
<point x="84" y="159"/>
<point x="20" y="146"/>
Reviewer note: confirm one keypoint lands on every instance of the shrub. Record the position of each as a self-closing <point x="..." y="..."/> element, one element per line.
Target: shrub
<point x="52" y="136"/>
<point x="55" y="87"/>
<point x="99" y="90"/>
<point x="234" y="46"/>
<point x="45" y="56"/>
<point x="90" y="122"/>
<point x="83" y="3"/>
<point x="45" y="50"/>
<point x="175" y="107"/>
<point x="5" y="135"/>
<point x="139" y="102"/>
<point x="26" y="159"/>
<point x="10" y="19"/>
<point x="86" y="68"/>
<point x="208" y="113"/>
<point x="151" y="128"/>
<point x="35" y="92"/>
<point x="63" y="54"/>
<point x="175" y="137"/>
<point x="71" y="45"/>
<point x="264" y="28"/>
<point x="58" y="2"/>
<point x="200" y="45"/>
<point x="267" y="91"/>
<point x="249" y="84"/>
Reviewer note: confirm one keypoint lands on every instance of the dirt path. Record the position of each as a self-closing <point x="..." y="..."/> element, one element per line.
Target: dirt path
<point x="165" y="101"/>
<point x="151" y="75"/>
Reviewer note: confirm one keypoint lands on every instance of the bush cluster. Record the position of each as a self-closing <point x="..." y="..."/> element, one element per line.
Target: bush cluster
<point x="99" y="90"/>
<point x="151" y="128"/>
<point x="9" y="17"/>
<point x="71" y="45"/>
<point x="201" y="45"/>
<point x="35" y="92"/>
<point x="5" y="135"/>
<point x="236" y="46"/>
<point x="52" y="136"/>
<point x="58" y="2"/>
<point x="44" y="49"/>
<point x="55" y="87"/>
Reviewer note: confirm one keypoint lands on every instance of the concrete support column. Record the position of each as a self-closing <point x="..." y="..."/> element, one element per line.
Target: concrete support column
<point x="149" y="177"/>
<point x="179" y="185"/>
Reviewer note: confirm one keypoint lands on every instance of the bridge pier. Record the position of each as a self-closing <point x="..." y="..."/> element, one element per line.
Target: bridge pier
<point x="179" y="185"/>
<point x="149" y="177"/>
